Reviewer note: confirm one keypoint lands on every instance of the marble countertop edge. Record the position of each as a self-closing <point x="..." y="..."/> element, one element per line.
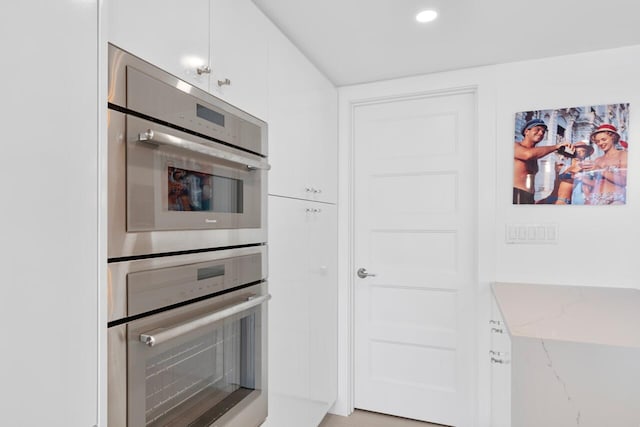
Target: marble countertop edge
<point x="580" y="314"/>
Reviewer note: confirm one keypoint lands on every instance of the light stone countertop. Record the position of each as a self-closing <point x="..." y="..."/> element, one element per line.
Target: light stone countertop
<point x="606" y="316"/>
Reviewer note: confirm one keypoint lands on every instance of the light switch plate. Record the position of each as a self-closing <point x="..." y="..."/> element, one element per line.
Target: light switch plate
<point x="531" y="234"/>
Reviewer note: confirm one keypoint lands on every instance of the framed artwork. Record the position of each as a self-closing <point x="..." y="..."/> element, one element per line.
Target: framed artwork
<point x="571" y="156"/>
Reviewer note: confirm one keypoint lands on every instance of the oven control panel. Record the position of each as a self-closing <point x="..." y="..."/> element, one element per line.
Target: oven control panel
<point x="154" y="289"/>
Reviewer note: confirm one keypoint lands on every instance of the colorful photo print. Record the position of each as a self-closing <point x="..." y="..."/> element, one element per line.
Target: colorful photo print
<point x="188" y="190"/>
<point x="571" y="156"/>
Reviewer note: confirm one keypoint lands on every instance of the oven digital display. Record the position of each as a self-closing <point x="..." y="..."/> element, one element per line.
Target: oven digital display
<point x="209" y="115"/>
<point x="197" y="191"/>
<point x="209" y="272"/>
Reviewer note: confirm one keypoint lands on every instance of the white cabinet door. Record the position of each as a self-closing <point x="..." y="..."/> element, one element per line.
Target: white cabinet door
<point x="302" y="125"/>
<point x="322" y="156"/>
<point x="288" y="324"/>
<point x="500" y="358"/>
<point x="239" y="55"/>
<point x="49" y="221"/>
<point x="302" y="312"/>
<point x="323" y="307"/>
<point x="172" y="35"/>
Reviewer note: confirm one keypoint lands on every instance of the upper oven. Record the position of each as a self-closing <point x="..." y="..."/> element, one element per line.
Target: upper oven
<point x="187" y="171"/>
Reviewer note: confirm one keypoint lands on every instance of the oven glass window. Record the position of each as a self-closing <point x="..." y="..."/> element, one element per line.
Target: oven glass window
<point x="204" y="376"/>
<point x="197" y="191"/>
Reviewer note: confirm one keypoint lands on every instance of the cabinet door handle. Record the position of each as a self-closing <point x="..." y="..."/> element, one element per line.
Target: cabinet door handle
<point x="203" y="69"/>
<point x="497" y="330"/>
<point x="224" y="82"/>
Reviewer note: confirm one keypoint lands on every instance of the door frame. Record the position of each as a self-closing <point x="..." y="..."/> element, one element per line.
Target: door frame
<point x="346" y="231"/>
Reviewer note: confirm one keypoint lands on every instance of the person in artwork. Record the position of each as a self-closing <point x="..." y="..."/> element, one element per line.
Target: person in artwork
<point x="580" y="168"/>
<point x="610" y="169"/>
<point x="572" y="184"/>
<point x="526" y="155"/>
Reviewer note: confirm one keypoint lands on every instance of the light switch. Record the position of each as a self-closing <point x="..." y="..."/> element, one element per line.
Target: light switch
<point x="522" y="232"/>
<point x="531" y="233"/>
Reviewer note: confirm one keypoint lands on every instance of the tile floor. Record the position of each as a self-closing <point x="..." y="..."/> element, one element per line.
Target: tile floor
<point x="371" y="419"/>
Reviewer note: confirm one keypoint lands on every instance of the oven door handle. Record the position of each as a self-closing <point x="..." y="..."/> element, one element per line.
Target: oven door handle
<point x="158" y="336"/>
<point x="154" y="137"/>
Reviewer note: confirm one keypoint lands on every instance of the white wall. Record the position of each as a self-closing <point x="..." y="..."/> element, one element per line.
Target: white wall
<point x="595" y="245"/>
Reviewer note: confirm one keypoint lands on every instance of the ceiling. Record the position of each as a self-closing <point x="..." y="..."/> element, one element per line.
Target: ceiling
<point x="357" y="41"/>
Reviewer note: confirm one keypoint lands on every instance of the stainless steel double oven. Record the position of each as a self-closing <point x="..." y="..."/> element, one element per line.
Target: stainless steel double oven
<point x="187" y="254"/>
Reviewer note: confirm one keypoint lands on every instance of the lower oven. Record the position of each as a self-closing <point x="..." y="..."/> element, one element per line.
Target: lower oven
<point x="187" y="340"/>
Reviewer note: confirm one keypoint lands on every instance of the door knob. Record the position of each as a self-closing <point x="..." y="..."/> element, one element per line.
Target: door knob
<point x="362" y="273"/>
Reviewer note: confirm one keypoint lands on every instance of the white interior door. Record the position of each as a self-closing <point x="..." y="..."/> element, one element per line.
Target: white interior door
<point x="415" y="211"/>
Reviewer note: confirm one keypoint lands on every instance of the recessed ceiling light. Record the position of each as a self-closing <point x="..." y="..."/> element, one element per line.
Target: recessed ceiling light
<point x="426" y="16"/>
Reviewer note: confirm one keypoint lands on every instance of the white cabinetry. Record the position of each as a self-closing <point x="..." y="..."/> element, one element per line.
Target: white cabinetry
<point x="500" y="359"/>
<point x="303" y="146"/>
<point x="239" y="55"/>
<point x="169" y="34"/>
<point x="267" y="76"/>
<point x="50" y="260"/>
<point x="271" y="79"/>
<point x="226" y="40"/>
<point x="302" y="125"/>
<point x="302" y="312"/>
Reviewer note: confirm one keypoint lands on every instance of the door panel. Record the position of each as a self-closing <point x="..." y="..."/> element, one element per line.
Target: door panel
<point x="414" y="229"/>
<point x="416" y="250"/>
<point x="438" y="196"/>
<point x="396" y="129"/>
<point x="435" y="308"/>
<point x="393" y="362"/>
<point x="405" y="316"/>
